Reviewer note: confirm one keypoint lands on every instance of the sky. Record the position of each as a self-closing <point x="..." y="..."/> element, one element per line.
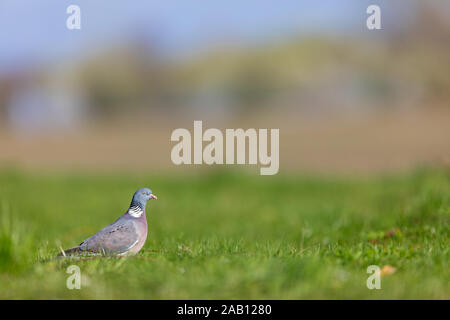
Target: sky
<point x="33" y="32"/>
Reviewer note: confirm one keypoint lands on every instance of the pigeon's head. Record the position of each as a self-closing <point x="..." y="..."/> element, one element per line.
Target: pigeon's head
<point x="141" y="197"/>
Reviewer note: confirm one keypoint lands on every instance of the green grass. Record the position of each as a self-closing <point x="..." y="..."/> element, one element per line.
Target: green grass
<point x="225" y="235"/>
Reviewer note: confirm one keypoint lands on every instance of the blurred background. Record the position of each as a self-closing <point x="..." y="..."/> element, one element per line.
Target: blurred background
<point x="108" y="96"/>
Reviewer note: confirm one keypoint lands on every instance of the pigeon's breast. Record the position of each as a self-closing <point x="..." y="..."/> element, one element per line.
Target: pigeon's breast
<point x="141" y="230"/>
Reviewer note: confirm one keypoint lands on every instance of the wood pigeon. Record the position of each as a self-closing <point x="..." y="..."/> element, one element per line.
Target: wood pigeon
<point x="124" y="236"/>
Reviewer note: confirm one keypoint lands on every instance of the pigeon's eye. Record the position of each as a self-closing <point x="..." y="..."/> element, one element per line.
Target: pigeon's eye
<point x="143" y="193"/>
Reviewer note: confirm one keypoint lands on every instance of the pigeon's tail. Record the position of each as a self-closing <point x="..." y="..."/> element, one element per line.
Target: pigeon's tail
<point x="69" y="252"/>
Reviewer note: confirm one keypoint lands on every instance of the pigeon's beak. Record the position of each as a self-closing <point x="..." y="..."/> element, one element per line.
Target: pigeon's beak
<point x="152" y="196"/>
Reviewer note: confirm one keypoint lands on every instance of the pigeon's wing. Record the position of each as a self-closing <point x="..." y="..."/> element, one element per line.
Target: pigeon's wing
<point x="118" y="237"/>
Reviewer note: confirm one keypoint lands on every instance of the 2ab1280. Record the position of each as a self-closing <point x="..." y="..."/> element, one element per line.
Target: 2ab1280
<point x="246" y="309"/>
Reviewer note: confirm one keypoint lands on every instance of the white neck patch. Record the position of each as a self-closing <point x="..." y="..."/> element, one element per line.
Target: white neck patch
<point x="135" y="211"/>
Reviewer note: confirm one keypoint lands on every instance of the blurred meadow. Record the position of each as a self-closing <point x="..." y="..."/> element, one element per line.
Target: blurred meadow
<point x="364" y="116"/>
<point x="231" y="236"/>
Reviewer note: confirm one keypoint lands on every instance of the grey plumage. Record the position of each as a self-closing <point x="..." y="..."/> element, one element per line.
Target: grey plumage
<point x="117" y="238"/>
